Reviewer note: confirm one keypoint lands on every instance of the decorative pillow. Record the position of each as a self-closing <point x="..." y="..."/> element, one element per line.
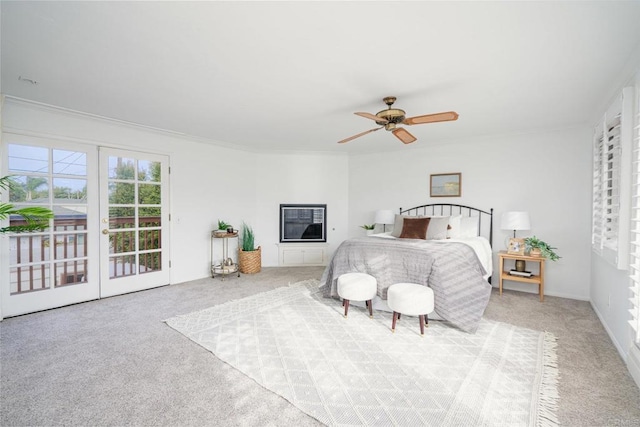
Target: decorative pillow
<point x="437" y="229"/>
<point x="397" y="226"/>
<point x="454" y="227"/>
<point x="415" y="228"/>
<point x="469" y="226"/>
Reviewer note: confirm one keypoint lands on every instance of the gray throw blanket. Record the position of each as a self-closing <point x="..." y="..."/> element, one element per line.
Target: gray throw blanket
<point x="451" y="269"/>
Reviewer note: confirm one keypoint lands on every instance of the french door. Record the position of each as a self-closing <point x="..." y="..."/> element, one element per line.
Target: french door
<point x="58" y="266"/>
<point x="134" y="220"/>
<point x="109" y="234"/>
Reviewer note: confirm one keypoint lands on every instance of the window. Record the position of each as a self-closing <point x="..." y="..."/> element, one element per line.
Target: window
<point x="611" y="182"/>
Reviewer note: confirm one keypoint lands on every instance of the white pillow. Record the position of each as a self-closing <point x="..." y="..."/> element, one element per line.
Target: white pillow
<point x="437" y="229"/>
<point x="397" y="226"/>
<point x="454" y="224"/>
<point x="469" y="226"/>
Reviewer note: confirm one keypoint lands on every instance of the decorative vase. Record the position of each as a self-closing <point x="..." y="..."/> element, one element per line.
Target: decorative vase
<point x="535" y="252"/>
<point x="369" y="232"/>
<point x="250" y="262"/>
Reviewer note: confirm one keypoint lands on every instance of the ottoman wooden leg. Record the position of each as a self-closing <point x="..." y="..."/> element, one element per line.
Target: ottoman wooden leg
<point x="421" y="317"/>
<point x="393" y="323"/>
<point x="426" y="320"/>
<point x="346" y="307"/>
<point x="370" y="305"/>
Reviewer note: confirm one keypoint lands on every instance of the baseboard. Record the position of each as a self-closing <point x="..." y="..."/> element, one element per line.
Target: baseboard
<point x="622" y="352"/>
<point x="633" y="363"/>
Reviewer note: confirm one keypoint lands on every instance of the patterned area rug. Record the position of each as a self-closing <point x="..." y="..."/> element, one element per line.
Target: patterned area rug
<point x="354" y="371"/>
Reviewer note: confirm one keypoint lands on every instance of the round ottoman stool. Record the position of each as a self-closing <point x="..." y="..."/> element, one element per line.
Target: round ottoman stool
<point x="357" y="287"/>
<point x="410" y="299"/>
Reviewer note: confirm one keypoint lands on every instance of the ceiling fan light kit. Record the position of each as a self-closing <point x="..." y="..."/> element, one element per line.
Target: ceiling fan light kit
<point x="391" y="117"/>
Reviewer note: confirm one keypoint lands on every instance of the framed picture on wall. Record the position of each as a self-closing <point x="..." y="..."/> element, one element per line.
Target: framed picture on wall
<point x="446" y="184"/>
<point x="516" y="246"/>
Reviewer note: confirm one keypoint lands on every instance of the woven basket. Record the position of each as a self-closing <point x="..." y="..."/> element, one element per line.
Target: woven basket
<point x="250" y="262"/>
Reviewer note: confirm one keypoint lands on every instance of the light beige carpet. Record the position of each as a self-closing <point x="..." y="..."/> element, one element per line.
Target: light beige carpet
<point x="354" y="371"/>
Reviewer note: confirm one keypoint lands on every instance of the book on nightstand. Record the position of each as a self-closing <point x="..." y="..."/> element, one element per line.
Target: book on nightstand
<point x="520" y="273"/>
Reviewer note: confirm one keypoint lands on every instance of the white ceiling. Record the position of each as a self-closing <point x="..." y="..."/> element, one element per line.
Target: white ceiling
<point x="289" y="75"/>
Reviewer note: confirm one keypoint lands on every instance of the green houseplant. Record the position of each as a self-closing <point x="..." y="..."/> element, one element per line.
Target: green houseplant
<point x="368" y="228"/>
<point x="223" y="226"/>
<point x="249" y="257"/>
<point x="537" y="247"/>
<point x="36" y="218"/>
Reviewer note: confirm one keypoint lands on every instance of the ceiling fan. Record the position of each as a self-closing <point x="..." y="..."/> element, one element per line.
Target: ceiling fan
<point x="391" y="117"/>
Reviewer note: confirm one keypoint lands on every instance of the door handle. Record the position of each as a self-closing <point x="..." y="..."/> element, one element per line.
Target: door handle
<point x="105" y="231"/>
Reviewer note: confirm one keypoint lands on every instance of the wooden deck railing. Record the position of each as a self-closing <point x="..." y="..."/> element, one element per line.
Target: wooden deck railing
<point x="30" y="255"/>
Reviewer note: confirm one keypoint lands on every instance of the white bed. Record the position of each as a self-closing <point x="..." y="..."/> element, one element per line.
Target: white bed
<point x="459" y="273"/>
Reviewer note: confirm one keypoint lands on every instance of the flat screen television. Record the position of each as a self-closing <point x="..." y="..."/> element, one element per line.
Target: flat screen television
<point x="303" y="223"/>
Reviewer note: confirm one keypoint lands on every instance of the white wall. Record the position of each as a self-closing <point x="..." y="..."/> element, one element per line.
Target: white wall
<point x="547" y="174"/>
<point x="300" y="178"/>
<point x="208" y="181"/>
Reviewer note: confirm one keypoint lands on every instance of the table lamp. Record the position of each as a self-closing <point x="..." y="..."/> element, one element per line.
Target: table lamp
<point x="385" y="217"/>
<point x="515" y="221"/>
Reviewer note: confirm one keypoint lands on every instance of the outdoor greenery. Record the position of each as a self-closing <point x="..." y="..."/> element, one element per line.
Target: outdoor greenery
<point x="545" y="249"/>
<point x="248" y="238"/>
<point x="122" y="192"/>
<point x="368" y="227"/>
<point x="36" y="217"/>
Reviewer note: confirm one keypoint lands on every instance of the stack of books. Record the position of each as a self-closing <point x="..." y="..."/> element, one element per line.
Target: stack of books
<point x="520" y="273"/>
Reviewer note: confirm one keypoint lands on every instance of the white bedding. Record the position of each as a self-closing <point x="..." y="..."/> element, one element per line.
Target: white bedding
<point x="479" y="244"/>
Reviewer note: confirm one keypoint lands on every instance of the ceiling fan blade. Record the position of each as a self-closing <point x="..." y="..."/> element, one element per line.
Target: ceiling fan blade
<point x="372" y="117"/>
<point x="431" y="118"/>
<point x="358" y="135"/>
<point x="404" y="135"/>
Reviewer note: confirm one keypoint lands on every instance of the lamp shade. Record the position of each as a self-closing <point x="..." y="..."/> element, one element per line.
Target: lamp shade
<point x="515" y="221"/>
<point x="385" y="217"/>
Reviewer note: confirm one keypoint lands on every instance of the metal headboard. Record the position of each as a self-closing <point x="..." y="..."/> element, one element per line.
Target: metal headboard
<point x="485" y="219"/>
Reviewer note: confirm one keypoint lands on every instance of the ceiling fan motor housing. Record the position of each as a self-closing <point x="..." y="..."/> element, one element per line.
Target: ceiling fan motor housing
<point x="391" y="115"/>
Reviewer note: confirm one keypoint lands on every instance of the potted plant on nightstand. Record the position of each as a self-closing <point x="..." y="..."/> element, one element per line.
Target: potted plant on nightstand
<point x="368" y="228"/>
<point x="536" y="248"/>
<point x="249" y="257"/>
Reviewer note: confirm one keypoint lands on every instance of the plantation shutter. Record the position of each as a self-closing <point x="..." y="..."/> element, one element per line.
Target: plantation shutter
<point x="611" y="175"/>
<point x="597" y="234"/>
<point x="612" y="145"/>
<point x="634" y="269"/>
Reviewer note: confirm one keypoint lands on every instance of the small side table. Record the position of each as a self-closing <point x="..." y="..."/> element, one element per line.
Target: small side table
<point x="535" y="279"/>
<point x="223" y="270"/>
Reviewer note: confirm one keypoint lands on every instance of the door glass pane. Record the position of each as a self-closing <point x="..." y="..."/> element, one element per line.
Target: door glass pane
<point x="150" y="262"/>
<point x="122" y="217"/>
<point x="148" y="171"/>
<point x="122" y="265"/>
<point x="70" y="217"/>
<point x="121" y="168"/>
<point x="25" y="158"/>
<point x="149" y="194"/>
<point x="29" y="189"/>
<point x="29" y="278"/>
<point x="149" y="217"/>
<point x="149" y="239"/>
<point x="122" y="241"/>
<point x="71" y="272"/>
<point x="69" y="162"/>
<point x="28" y="248"/>
<point x="69" y="189"/>
<point x="121" y="193"/>
<point x="70" y="246"/>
